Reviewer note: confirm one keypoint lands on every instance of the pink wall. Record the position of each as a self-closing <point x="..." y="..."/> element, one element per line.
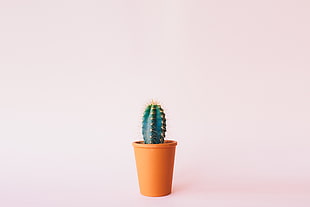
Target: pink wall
<point x="233" y="76"/>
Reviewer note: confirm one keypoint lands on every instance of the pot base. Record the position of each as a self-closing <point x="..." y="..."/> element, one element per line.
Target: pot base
<point x="153" y="195"/>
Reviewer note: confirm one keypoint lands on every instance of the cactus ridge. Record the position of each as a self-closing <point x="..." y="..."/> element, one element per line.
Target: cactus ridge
<point x="153" y="124"/>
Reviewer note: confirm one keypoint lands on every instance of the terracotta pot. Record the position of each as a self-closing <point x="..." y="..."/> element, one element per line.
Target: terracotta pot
<point x="155" y="164"/>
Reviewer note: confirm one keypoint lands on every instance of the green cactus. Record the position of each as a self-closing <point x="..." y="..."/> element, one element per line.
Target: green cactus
<point x="153" y="124"/>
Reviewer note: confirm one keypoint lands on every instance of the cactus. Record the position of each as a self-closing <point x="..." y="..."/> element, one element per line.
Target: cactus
<point x="153" y="124"/>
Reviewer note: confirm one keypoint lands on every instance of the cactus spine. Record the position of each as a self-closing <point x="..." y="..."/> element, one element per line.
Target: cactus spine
<point x="153" y="124"/>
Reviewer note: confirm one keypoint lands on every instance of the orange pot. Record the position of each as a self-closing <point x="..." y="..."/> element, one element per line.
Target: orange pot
<point x="154" y="164"/>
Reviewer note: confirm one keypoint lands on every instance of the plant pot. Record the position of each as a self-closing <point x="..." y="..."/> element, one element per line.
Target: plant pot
<point x="155" y="164"/>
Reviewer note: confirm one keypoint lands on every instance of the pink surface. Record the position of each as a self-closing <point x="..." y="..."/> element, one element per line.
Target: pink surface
<point x="233" y="77"/>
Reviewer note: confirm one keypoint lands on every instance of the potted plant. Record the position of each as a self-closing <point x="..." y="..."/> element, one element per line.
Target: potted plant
<point x="155" y="155"/>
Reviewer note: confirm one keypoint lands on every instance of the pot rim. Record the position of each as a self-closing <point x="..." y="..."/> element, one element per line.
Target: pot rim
<point x="166" y="144"/>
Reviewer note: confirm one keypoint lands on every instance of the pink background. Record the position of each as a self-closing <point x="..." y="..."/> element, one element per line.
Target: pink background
<point x="233" y="77"/>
